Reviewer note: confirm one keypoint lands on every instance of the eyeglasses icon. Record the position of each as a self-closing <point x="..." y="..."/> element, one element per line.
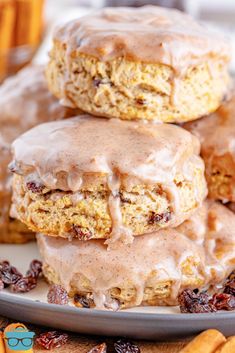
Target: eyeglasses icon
<point x="20" y="339"/>
<point x="14" y="342"/>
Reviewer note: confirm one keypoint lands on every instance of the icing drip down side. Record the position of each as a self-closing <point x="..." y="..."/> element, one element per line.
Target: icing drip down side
<point x="206" y="242"/>
<point x="87" y="152"/>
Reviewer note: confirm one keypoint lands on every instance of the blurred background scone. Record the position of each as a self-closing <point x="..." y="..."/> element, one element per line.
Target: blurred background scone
<point x="24" y="102"/>
<point x="152" y="270"/>
<point x="89" y="177"/>
<point x="217" y="135"/>
<point x="126" y="63"/>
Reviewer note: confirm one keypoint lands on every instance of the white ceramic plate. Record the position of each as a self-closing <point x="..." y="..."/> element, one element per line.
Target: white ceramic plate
<point x="159" y="323"/>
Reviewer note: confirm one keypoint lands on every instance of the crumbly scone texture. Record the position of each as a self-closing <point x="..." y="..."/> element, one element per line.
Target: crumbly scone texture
<point x="155" y="292"/>
<point x="216" y="133"/>
<point x="220" y="177"/>
<point x="85" y="215"/>
<point x="135" y="90"/>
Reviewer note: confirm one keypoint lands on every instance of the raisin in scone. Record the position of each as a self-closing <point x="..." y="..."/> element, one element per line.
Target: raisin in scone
<point x="88" y="177"/>
<point x="217" y="135"/>
<point x="24" y="102"/>
<point x="139" y="63"/>
<point x="152" y="270"/>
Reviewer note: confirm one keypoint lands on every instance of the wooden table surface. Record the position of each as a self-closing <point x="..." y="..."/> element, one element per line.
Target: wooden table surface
<point x="82" y="344"/>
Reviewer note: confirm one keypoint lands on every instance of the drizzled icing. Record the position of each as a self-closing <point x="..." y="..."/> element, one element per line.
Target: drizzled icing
<point x="24" y="102"/>
<point x="217" y="135"/>
<point x="63" y="154"/>
<point x="151" y="34"/>
<point x="217" y="131"/>
<point x="5" y="192"/>
<point x="129" y="264"/>
<point x="207" y="238"/>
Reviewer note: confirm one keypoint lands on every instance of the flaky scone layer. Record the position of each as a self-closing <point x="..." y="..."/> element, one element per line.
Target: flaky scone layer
<point x="131" y="90"/>
<point x="88" y="177"/>
<point x="86" y="215"/>
<point x="146" y="63"/>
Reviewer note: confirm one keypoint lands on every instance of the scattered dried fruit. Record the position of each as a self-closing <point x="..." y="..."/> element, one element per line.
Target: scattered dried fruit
<point x="156" y="218"/>
<point x="52" y="339"/>
<point x="101" y="348"/>
<point x="223" y="301"/>
<point x="124" y="346"/>
<point x="191" y="301"/>
<point x="81" y="301"/>
<point x="24" y="285"/>
<point x="229" y="286"/>
<point x="9" y="274"/>
<point x="35" y="269"/>
<point x="57" y="295"/>
<point x="81" y="234"/>
<point x="141" y="101"/>
<point x="104" y="81"/>
<point x="35" y="186"/>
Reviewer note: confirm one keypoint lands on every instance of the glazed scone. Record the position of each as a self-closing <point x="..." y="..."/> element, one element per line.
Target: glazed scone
<point x="153" y="269"/>
<point x="88" y="177"/>
<point x="217" y="135"/>
<point x="11" y="230"/>
<point x="144" y="272"/>
<point x="24" y="102"/>
<point x="139" y="63"/>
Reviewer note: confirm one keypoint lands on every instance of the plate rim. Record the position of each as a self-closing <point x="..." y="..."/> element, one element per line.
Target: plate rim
<point x="115" y="315"/>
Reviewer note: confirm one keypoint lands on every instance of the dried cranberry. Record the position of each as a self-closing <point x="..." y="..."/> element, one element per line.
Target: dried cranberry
<point x="35" y="186"/>
<point x="104" y="81"/>
<point x="101" y="348"/>
<point x="124" y="346"/>
<point x="141" y="101"/>
<point x="83" y="302"/>
<point x="35" y="269"/>
<point x="231" y="276"/>
<point x="156" y="218"/>
<point x="96" y="82"/>
<point x="24" y="285"/>
<point x="229" y="286"/>
<point x="9" y="274"/>
<point x="81" y="234"/>
<point x="57" y="295"/>
<point x="223" y="301"/>
<point x="191" y="301"/>
<point x="52" y="339"/>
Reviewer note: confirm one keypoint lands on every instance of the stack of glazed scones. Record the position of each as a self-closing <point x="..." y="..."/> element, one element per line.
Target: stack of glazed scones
<point x="24" y="102"/>
<point x="118" y="198"/>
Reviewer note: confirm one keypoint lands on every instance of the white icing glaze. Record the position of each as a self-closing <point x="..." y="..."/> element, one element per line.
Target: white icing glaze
<point x="62" y="154"/>
<point x="24" y="102"/>
<point x="150" y="34"/>
<point x="162" y="253"/>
